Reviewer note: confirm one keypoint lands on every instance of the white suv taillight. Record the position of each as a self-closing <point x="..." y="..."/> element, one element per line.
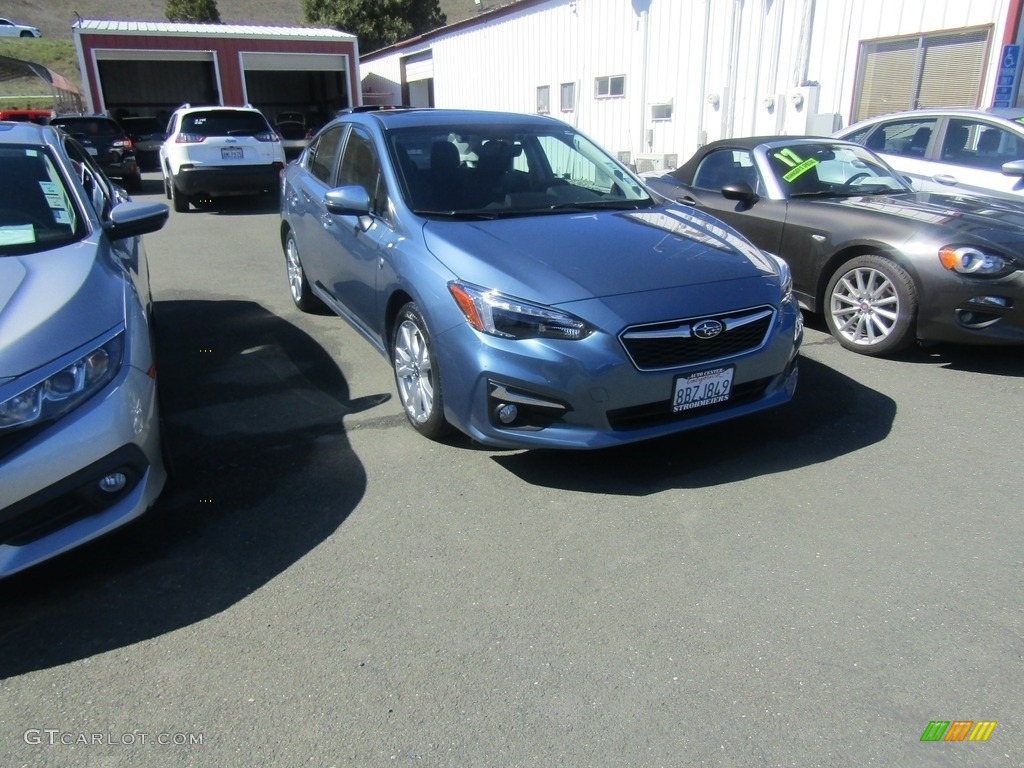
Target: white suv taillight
<point x="189" y="138"/>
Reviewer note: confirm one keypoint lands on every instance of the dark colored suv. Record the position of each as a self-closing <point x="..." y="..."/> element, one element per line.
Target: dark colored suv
<point x="108" y="143"/>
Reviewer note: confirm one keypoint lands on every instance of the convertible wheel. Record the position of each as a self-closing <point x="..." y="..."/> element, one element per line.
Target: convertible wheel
<point x="416" y="374"/>
<point x="302" y="294"/>
<point x="872" y="306"/>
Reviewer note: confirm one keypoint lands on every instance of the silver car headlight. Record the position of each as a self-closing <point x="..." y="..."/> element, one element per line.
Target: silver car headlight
<point x="64" y="390"/>
<point x="971" y="260"/>
<point x="492" y="312"/>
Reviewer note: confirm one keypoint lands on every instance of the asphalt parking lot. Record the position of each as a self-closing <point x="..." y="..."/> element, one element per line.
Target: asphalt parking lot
<point x="320" y="586"/>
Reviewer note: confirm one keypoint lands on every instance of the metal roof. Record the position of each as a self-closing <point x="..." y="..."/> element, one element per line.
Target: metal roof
<point x="174" y="28"/>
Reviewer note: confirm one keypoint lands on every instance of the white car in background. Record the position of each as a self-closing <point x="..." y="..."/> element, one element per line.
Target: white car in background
<point x="956" y="151"/>
<point x="10" y="28"/>
<point x="217" y="152"/>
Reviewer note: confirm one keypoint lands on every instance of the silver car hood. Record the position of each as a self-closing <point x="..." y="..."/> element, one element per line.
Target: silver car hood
<point x="572" y="257"/>
<point x="53" y="302"/>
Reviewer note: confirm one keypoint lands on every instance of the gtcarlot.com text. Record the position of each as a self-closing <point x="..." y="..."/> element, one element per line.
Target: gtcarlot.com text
<point x="51" y="737"/>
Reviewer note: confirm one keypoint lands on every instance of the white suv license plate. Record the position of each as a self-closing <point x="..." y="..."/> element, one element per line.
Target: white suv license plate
<point x="230" y="153"/>
<point x="695" y="390"/>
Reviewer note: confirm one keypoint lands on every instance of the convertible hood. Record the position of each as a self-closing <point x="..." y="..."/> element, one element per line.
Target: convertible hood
<point x="1000" y="222"/>
<point x="570" y="257"/>
<point x="53" y="302"/>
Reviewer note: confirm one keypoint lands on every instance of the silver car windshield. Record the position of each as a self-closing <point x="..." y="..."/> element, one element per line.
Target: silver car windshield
<point x="494" y="171"/>
<point x="37" y="211"/>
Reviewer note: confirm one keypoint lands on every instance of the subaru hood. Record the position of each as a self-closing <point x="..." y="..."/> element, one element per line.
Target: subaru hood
<point x="572" y="257"/>
<point x="54" y="302"/>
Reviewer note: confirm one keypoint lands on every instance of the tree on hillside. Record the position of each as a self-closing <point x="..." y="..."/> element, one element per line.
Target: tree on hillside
<point x="376" y="23"/>
<point x="193" y="10"/>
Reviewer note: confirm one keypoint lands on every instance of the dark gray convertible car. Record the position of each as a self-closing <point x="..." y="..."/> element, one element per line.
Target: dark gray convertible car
<point x="885" y="265"/>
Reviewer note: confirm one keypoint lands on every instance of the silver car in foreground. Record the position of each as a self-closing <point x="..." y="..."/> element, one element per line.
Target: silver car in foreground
<point x="79" y="422"/>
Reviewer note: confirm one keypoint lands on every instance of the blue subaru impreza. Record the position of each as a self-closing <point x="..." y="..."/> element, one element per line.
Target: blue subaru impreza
<point x="524" y="285"/>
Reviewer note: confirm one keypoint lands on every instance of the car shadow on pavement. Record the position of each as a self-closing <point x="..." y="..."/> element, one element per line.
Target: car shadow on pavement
<point x="831" y="415"/>
<point x="253" y="413"/>
<point x="994" y="361"/>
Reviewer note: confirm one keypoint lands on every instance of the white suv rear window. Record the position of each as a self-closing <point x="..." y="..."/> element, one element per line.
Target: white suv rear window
<point x="224" y="123"/>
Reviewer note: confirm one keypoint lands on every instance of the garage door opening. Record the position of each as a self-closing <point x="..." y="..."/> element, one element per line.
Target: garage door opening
<point x="157" y="83"/>
<point x="314" y="85"/>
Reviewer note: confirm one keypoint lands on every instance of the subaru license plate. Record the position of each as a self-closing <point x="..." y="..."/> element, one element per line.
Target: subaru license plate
<point x="695" y="390"/>
<point x="231" y="153"/>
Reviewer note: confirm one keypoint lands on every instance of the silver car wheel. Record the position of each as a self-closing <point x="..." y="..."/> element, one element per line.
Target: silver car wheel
<point x="413" y="372"/>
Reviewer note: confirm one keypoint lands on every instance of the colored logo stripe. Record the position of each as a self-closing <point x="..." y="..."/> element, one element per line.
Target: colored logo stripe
<point x="958" y="730"/>
<point x="982" y="730"/>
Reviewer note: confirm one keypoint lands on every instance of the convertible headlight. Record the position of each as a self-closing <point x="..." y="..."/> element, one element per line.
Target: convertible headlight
<point x="64" y="390"/>
<point x="499" y="315"/>
<point x="969" y="260"/>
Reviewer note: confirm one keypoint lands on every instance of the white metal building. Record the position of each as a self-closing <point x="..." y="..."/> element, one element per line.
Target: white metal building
<point x="655" y="79"/>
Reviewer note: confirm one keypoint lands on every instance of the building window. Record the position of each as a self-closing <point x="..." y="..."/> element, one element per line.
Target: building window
<point x="543" y="99"/>
<point x="661" y="112"/>
<point x="610" y="87"/>
<point x="567" y="97"/>
<point x="938" y="70"/>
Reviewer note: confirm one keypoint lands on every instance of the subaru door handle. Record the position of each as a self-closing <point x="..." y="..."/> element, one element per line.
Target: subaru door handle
<point x="945" y="178"/>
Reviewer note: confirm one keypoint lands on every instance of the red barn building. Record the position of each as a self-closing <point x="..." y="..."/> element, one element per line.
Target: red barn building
<point x="151" y="68"/>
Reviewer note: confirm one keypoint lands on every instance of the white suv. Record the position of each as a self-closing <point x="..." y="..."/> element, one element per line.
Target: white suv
<point x="218" y="151"/>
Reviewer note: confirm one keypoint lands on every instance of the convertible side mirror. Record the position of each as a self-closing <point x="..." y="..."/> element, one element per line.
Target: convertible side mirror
<point x="740" y="191"/>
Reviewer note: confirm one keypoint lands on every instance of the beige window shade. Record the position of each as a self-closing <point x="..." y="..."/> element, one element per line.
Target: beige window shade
<point x="939" y="70"/>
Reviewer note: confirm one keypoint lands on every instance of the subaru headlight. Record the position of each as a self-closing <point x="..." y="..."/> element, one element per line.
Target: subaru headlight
<point x="64" y="390"/>
<point x="785" y="279"/>
<point x="971" y="260"/>
<point x="499" y="315"/>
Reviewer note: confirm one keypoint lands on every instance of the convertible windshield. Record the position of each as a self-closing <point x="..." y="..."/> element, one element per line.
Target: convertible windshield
<point x="505" y="171"/>
<point x="36" y="209"/>
<point x="827" y="169"/>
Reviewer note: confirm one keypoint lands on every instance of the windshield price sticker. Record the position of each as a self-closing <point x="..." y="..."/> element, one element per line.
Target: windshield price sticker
<point x="703" y="388"/>
<point x="801" y="169"/>
<point x="800" y="166"/>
